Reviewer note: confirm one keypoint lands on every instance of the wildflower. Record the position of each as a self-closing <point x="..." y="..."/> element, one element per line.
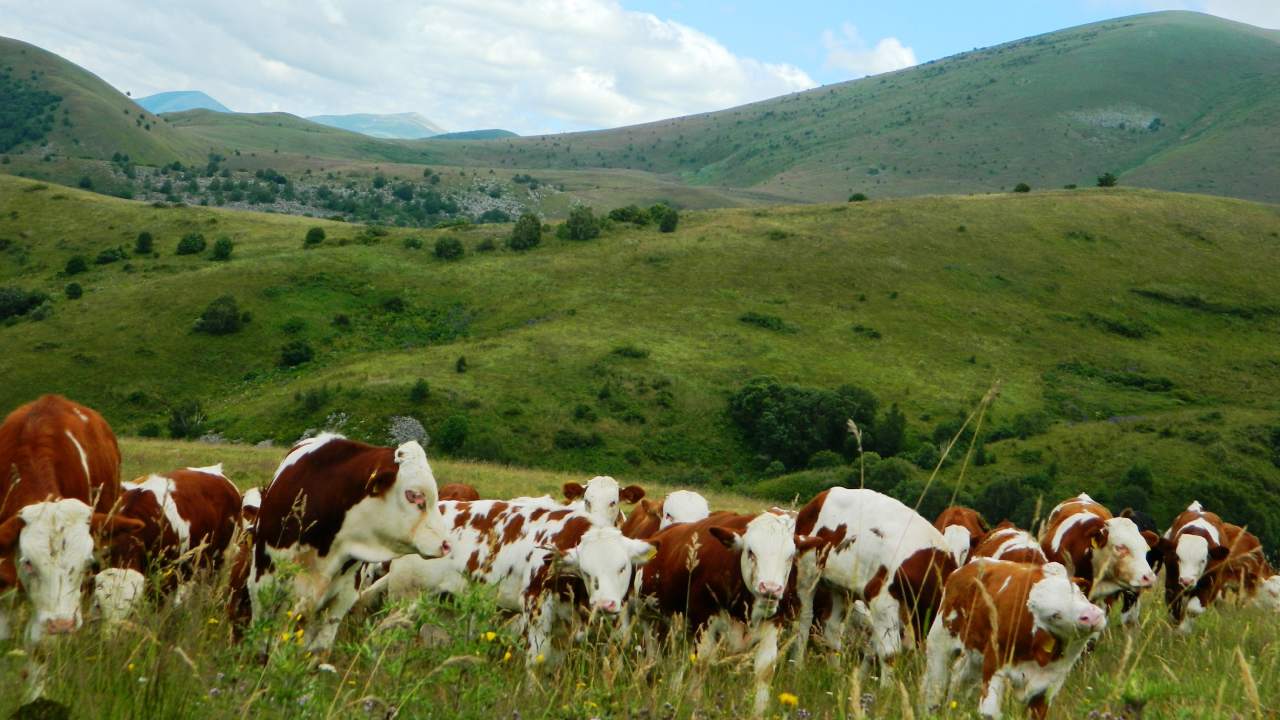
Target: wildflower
<point x="506" y="656"/>
<point x="17" y="652"/>
<point x="284" y="637"/>
<point x="130" y="667"/>
<point x="489" y="636"/>
<point x="693" y="657"/>
<point x="581" y="685"/>
<point x="214" y="692"/>
<point x="298" y="634"/>
<point x="288" y="614"/>
<point x="788" y="699"/>
<point x="540" y="659"/>
<point x="213" y="621"/>
<point x="954" y="704"/>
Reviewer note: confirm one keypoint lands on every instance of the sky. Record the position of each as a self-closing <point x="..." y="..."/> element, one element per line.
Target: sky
<point x="533" y="66"/>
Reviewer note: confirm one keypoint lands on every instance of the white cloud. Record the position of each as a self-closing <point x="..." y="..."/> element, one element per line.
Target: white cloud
<point x="848" y="52"/>
<point x="526" y="65"/>
<point x="1263" y="13"/>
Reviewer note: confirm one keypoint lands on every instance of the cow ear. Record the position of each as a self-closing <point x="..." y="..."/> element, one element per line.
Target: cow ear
<point x="1099" y="537"/>
<point x="9" y="531"/>
<point x="641" y="552"/>
<point x="1219" y="552"/>
<point x="1082" y="584"/>
<point x="727" y="536"/>
<point x="1152" y="539"/>
<point x="380" y="481"/>
<point x="573" y="491"/>
<point x="110" y="525"/>
<point x="631" y="494"/>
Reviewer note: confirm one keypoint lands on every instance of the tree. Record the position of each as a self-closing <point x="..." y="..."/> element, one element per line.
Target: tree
<point x="222" y="248"/>
<point x="73" y="291"/>
<point x="449" y="248"/>
<point x="144" y="244"/>
<point x="186" y="420"/>
<point x="858" y="197"/>
<point x="1108" y="180"/>
<point x="315" y="236"/>
<point x="582" y="224"/>
<point x="1022" y="188"/>
<point x="86" y="182"/>
<point x="221" y="317"/>
<point x="295" y="353"/>
<point x="527" y="233"/>
<point x="891" y="432"/>
<point x="192" y="243"/>
<point x="76" y="265"/>
<point x="420" y="391"/>
<point x="453" y="433"/>
<point x="669" y="220"/>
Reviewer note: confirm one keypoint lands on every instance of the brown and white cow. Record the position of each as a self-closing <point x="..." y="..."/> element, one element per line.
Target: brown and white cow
<point x="1016" y="625"/>
<point x="1191" y="550"/>
<point x="963" y="528"/>
<point x="250" y="504"/>
<point x="58" y="463"/>
<point x="892" y="559"/>
<point x="1108" y="553"/>
<point x="333" y="504"/>
<point x="186" y="520"/>
<point x="1008" y="542"/>
<point x="726" y="575"/>
<point x="650" y="516"/>
<point x="458" y="491"/>
<point x="1246" y="570"/>
<point x="547" y="563"/>
<point x="600" y="498"/>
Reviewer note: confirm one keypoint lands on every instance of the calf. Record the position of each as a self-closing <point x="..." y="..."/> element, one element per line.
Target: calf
<point x="545" y="562"/>
<point x="59" y="461"/>
<point x="185" y="522"/>
<point x="1007" y="542"/>
<point x="1246" y="570"/>
<point x="1108" y="553"/>
<point x="333" y="504"/>
<point x="892" y="559"/>
<point x="681" y="506"/>
<point x="1018" y="625"/>
<point x="963" y="528"/>
<point x="1191" y="549"/>
<point x="459" y="491"/>
<point x="600" y="498"/>
<point x="726" y="575"/>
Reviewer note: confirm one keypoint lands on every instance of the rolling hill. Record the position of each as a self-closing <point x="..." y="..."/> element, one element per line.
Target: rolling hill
<point x="1128" y="329"/>
<point x="180" y="100"/>
<point x="403" y="126"/>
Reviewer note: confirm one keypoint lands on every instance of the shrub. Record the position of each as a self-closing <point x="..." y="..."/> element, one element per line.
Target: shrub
<point x="768" y="322"/>
<point x="452" y="433"/>
<point x="891" y="432"/>
<point x="526" y="234"/>
<point x="582" y="224"/>
<point x="670" y="218"/>
<point x="791" y="423"/>
<point x="110" y="255"/>
<point x="73" y="291"/>
<point x="486" y="245"/>
<point x="631" y="351"/>
<point x="633" y="214"/>
<point x="314" y="237"/>
<point x="1108" y="180"/>
<point x="295" y="353"/>
<point x="294" y="325"/>
<point x="1022" y="188"/>
<point x="888" y="474"/>
<point x="584" y="413"/>
<point x="186" y="420"/>
<point x="144" y="244"/>
<point x="86" y="182"/>
<point x="926" y="456"/>
<point x="341" y="320"/>
<point x="222" y="248"/>
<point x="150" y="430"/>
<point x="413" y="243"/>
<point x="192" y="243"/>
<point x="449" y="248"/>
<point x="221" y="317"/>
<point x="76" y="265"/>
<point x="460" y="365"/>
<point x="420" y="391"/>
<point x="15" y="302"/>
<point x="567" y="439"/>
<point x="858" y="197"/>
<point x="825" y="459"/>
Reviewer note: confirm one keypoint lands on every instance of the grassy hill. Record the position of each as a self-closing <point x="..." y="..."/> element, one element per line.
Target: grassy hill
<point x="180" y="100"/>
<point x="1131" y="331"/>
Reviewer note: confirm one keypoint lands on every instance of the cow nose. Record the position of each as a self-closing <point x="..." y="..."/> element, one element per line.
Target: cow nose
<point x="1090" y="617"/>
<point x="444" y="548"/>
<point x="60" y="626"/>
<point x="1147" y="580"/>
<point x="1186" y="581"/>
<point x="609" y="606"/>
<point x="770" y="589"/>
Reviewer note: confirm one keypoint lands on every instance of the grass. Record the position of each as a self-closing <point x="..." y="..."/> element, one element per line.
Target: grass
<point x="433" y="658"/>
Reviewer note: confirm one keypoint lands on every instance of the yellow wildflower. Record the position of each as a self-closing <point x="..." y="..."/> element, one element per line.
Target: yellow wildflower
<point x="284" y="636"/>
<point x="693" y="657"/>
<point x="489" y="636"/>
<point x="954" y="704"/>
<point x="788" y="699"/>
<point x="506" y="656"/>
<point x="540" y="659"/>
<point x="298" y="633"/>
<point x="213" y="621"/>
<point x="130" y="667"/>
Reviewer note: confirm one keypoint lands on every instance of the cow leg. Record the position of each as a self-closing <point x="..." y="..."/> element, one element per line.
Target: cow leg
<point x="940" y="651"/>
<point x="1131" y="608"/>
<point x="886" y="633"/>
<point x="331" y="610"/>
<point x="539" y="627"/>
<point x="6" y="629"/>
<point x="808" y="575"/>
<point x="765" y="664"/>
<point x="1193" y="610"/>
<point x="833" y="625"/>
<point x="992" y="696"/>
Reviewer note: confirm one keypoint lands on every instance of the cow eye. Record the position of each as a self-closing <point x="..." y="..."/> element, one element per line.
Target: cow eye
<point x="1057" y="616"/>
<point x="752" y="555"/>
<point x="612" y="503"/>
<point x="622" y="570"/>
<point x="27" y="567"/>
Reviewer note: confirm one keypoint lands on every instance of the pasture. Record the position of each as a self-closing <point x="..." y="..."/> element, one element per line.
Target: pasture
<point x="461" y="658"/>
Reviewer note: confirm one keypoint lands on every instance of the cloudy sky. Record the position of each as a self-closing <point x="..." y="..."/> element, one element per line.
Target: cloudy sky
<point x="532" y="65"/>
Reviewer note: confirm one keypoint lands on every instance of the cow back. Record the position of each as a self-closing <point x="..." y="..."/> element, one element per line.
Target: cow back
<point x="55" y="448"/>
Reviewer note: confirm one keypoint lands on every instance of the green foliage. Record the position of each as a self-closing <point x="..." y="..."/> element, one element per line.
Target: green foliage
<point x="581" y="224"/>
<point x="412" y="243"/>
<point x="825" y="459"/>
<point x="73" y="291"/>
<point x="665" y="216"/>
<point x="633" y="214"/>
<point x="186" y="420"/>
<point x="222" y="248"/>
<point x="1108" y="180"/>
<point x="630" y="351"/>
<point x="16" y="302"/>
<point x="314" y="237"/>
<point x="452" y="434"/>
<point x="85" y="182"/>
<point x="144" y="244"/>
<point x="76" y="265"/>
<point x="449" y="248"/>
<point x="295" y="353"/>
<point x="420" y="391"/>
<point x="221" y="317"/>
<point x="1022" y="188"/>
<point x="858" y="197"/>
<point x="27" y="113"/>
<point x="193" y="243"/>
<point x="570" y="439"/>
<point x="891" y="432"/>
<point x="460" y="365"/>
<point x="765" y="321"/>
<point x="790" y="423"/>
<point x="110" y="255"/>
<point x="526" y="234"/>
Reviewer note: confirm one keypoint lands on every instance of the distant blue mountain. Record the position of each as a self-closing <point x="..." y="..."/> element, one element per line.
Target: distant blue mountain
<point x="493" y="134"/>
<point x="403" y="126"/>
<point x="180" y="100"/>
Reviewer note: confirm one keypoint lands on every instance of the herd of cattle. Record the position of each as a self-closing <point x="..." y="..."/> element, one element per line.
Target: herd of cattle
<point x="343" y="522"/>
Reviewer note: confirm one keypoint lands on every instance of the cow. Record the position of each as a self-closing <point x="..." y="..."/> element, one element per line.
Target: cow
<point x="458" y="491"/>
<point x="546" y="563"/>
<point x="1018" y="626"/>
<point x="250" y="503"/>
<point x="648" y="517"/>
<point x="1130" y="599"/>
<point x="1191" y="549"/>
<point x="1008" y="542"/>
<point x="333" y="504"/>
<point x="726" y="575"/>
<point x="187" y="519"/>
<point x="1108" y="553"/>
<point x="891" y="559"/>
<point x="963" y="528"/>
<point x="600" y="497"/>
<point x="1246" y="570"/>
<point x="60" y="466"/>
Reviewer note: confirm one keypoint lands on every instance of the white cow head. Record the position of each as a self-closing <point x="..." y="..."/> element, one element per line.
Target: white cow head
<point x="601" y="496"/>
<point x="250" y="504"/>
<point x="1194" y="552"/>
<point x="1268" y="597"/>
<point x="958" y="539"/>
<point x="1059" y="606"/>
<point x="683" y="506"/>
<point x="1120" y="556"/>
<point x="415" y="502"/>
<point x="54" y="548"/>
<point x="767" y="550"/>
<point x="603" y="558"/>
<point x="116" y="591"/>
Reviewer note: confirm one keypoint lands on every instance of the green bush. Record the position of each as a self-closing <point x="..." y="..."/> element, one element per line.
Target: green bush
<point x="460" y="365"/>
<point x="666" y="216"/>
<point x="526" y="234"/>
<point x="453" y="433"/>
<point x="412" y="243"/>
<point x="221" y="317"/>
<point x="86" y="182"/>
<point x="314" y="237"/>
<point x="192" y="243"/>
<point x="73" y="291"/>
<point x="150" y="430"/>
<point x="110" y="255"/>
<point x="295" y="353"/>
<point x="633" y="214"/>
<point x="486" y="245"/>
<point x="449" y="248"/>
<point x="15" y="302"/>
<point x="888" y="474"/>
<point x="1022" y="188"/>
<point x="891" y="432"/>
<point x="222" y="248"/>
<point x="186" y="420"/>
<point x="420" y="391"/>
<point x="581" y="225"/>
<point x="76" y="265"/>
<point x="144" y="244"/>
<point x="825" y="459"/>
<point x="630" y="351"/>
<point x="858" y="197"/>
<point x="1108" y="180"/>
<point x="768" y="322"/>
<point x="567" y="439"/>
<point x="790" y="423"/>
